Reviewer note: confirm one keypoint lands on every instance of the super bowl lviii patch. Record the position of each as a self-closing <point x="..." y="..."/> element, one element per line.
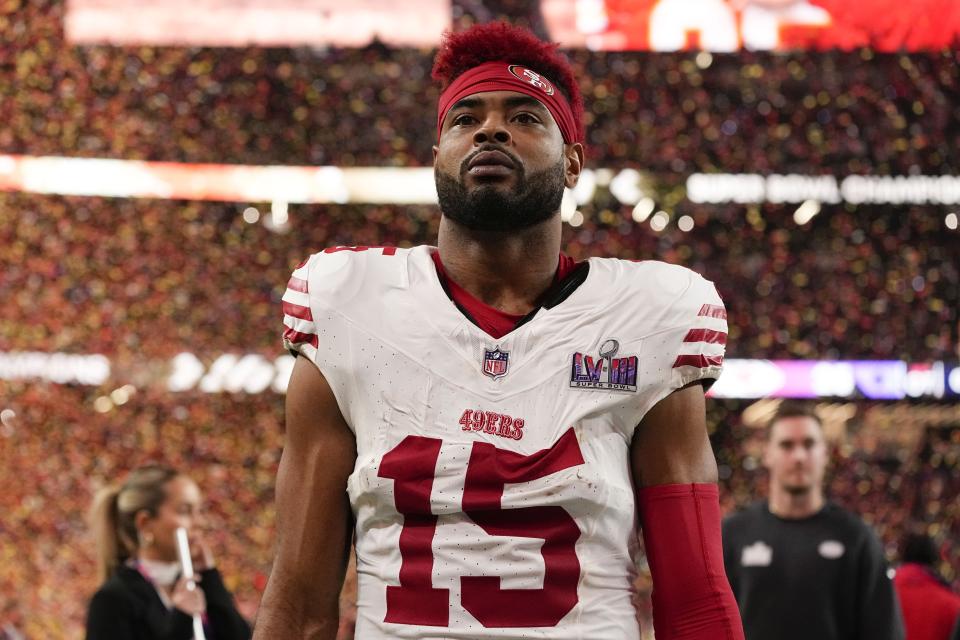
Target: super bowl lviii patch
<point x="605" y="371"/>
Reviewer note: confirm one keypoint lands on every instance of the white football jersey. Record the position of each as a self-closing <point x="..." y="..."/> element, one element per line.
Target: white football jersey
<point x="492" y="489"/>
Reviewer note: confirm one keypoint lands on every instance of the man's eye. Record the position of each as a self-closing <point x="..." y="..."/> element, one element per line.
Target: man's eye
<point x="463" y="119"/>
<point x="526" y="118"/>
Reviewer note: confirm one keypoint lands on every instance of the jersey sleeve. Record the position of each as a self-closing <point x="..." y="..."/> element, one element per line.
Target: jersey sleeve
<point x="697" y="343"/>
<point x="683" y="327"/>
<point x="686" y="330"/>
<point x="314" y="326"/>
<point x="299" y="328"/>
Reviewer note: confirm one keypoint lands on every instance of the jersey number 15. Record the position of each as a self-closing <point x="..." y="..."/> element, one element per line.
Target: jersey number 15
<point x="411" y="465"/>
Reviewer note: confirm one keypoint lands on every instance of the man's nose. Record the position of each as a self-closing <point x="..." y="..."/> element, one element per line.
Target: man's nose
<point x="492" y="129"/>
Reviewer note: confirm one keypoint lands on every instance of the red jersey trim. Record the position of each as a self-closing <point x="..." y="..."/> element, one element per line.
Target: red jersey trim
<point x="494" y="322"/>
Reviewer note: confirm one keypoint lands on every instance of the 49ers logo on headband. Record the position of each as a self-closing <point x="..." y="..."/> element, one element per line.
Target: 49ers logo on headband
<point x="532" y="77"/>
<point x="502" y="76"/>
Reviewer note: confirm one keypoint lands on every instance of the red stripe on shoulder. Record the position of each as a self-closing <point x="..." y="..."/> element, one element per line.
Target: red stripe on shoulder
<point x="298" y="338"/>
<point x="296" y="284"/>
<point x="699" y="361"/>
<point x="713" y="311"/>
<point x="706" y="335"/>
<point x="297" y="311"/>
<point x="386" y="251"/>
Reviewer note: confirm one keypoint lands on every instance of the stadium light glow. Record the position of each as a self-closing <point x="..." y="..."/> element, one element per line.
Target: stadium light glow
<point x="186" y="372"/>
<point x="643" y="209"/>
<point x="951" y="221"/>
<point x="265" y="23"/>
<point x="586" y="187"/>
<point x="279" y="213"/>
<point x="121" y="395"/>
<point x="62" y="368"/>
<point x="953" y="381"/>
<point x="415" y="185"/>
<point x="568" y="206"/>
<point x="806" y="211"/>
<point x="625" y="186"/>
<point x="685" y="223"/>
<point x="7" y="416"/>
<point x="659" y="221"/>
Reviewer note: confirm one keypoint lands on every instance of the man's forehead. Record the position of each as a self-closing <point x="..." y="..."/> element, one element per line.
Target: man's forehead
<point x="506" y="99"/>
<point x="795" y="427"/>
<point x="497" y="83"/>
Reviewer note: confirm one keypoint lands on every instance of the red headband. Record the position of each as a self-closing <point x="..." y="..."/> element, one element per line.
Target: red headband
<point x="500" y="76"/>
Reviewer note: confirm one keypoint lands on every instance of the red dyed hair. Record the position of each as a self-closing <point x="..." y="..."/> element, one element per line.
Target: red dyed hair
<point x="499" y="41"/>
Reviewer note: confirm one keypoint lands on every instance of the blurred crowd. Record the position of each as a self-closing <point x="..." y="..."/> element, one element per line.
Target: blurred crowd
<point x="142" y="280"/>
<point x="892" y="270"/>
<point x="145" y="279"/>
<point x="837" y="112"/>
<point x="57" y="451"/>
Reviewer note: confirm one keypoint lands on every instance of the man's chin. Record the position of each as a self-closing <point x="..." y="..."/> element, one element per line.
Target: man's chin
<point x="500" y="185"/>
<point x="798" y="489"/>
<point x="506" y="204"/>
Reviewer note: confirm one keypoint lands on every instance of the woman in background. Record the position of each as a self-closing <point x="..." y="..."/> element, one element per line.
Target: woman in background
<point x="143" y="595"/>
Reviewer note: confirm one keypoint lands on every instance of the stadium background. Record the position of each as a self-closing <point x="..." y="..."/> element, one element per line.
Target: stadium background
<point x="145" y="280"/>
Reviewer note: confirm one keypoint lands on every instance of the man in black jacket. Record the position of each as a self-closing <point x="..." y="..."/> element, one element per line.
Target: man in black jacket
<point x="801" y="567"/>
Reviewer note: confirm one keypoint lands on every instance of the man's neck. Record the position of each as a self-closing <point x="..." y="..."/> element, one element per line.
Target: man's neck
<point x="508" y="271"/>
<point x="795" y="506"/>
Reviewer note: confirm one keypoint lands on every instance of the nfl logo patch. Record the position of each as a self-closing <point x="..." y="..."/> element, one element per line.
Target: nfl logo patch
<point x="495" y="362"/>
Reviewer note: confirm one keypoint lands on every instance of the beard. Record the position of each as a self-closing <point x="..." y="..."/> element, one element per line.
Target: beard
<point x="489" y="207"/>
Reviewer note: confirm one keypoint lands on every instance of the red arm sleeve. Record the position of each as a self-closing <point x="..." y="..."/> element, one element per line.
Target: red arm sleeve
<point x="692" y="599"/>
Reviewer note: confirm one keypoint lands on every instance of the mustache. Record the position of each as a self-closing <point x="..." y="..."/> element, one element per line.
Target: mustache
<point x="465" y="165"/>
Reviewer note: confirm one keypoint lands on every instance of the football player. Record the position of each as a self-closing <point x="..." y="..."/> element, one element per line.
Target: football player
<point x="489" y="422"/>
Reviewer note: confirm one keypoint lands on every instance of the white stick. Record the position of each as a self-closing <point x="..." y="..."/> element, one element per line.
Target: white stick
<point x="186" y="567"/>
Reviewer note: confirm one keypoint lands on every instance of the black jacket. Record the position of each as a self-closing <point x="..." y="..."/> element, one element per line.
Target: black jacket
<point x="127" y="607"/>
<point x="822" y="577"/>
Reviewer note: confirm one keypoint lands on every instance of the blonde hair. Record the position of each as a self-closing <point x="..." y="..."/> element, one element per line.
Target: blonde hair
<point x="114" y="511"/>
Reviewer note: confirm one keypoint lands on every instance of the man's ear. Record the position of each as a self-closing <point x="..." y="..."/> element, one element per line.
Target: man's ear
<point x="436" y="150"/>
<point x="573" y="164"/>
